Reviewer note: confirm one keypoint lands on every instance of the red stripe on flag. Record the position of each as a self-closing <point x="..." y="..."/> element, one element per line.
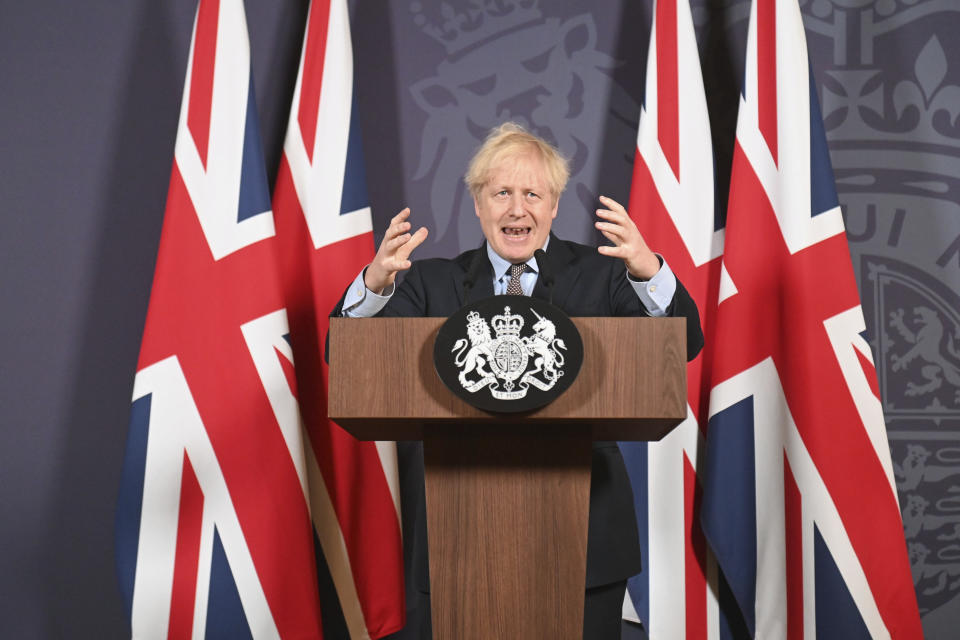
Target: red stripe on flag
<point x="289" y="373"/>
<point x="793" y="539"/>
<point x="354" y="478"/>
<point x="315" y="51"/>
<point x="352" y="470"/>
<point x="703" y="282"/>
<point x="870" y="373"/>
<point x="189" y="528"/>
<point x="668" y="117"/>
<point x="695" y="560"/>
<point x="201" y="75"/>
<point x="767" y="72"/>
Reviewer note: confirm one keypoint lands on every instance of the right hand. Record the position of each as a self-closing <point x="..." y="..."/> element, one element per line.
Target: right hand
<point x="394" y="252"/>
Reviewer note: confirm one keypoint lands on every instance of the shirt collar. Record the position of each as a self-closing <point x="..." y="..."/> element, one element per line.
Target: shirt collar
<point x="501" y="267"/>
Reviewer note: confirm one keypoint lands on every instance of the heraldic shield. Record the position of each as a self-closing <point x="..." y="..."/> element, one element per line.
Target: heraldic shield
<point x="508" y="353"/>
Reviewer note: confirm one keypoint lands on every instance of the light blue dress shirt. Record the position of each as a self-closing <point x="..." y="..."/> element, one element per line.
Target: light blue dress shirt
<point x="656" y="294"/>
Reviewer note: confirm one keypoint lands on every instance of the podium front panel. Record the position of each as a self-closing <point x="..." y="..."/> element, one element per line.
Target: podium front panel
<point x="383" y="385"/>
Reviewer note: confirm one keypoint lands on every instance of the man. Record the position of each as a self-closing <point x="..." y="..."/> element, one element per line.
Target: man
<point x="516" y="180"/>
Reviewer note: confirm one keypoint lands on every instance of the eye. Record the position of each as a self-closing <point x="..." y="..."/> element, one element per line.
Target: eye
<point x="531" y="194"/>
<point x="538" y="63"/>
<point x="481" y="87"/>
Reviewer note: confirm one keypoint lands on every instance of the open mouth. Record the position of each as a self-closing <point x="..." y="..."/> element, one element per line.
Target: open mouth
<point x="516" y="232"/>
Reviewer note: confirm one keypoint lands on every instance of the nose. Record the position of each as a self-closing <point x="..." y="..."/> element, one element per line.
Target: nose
<point x="516" y="204"/>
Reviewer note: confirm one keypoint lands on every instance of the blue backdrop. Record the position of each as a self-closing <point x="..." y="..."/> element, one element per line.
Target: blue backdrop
<point x="89" y="97"/>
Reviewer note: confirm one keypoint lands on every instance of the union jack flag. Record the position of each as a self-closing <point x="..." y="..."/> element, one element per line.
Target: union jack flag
<point x="672" y="202"/>
<point x="325" y="232"/>
<point x="799" y="501"/>
<point x="794" y="485"/>
<point x="213" y="523"/>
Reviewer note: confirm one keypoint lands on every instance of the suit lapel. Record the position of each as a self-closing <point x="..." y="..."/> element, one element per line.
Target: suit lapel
<point x="565" y="273"/>
<point x="483" y="287"/>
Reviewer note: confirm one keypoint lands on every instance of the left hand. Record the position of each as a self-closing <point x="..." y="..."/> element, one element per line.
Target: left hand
<point x="629" y="245"/>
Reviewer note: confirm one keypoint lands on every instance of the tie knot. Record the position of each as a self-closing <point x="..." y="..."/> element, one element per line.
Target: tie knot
<point x="516" y="270"/>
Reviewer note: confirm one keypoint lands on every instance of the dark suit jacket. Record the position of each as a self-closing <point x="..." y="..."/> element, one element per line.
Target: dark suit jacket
<point x="586" y="284"/>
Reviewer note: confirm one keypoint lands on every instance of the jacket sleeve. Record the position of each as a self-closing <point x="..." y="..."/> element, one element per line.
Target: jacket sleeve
<point x="409" y="300"/>
<point x="625" y="302"/>
<point x="684" y="306"/>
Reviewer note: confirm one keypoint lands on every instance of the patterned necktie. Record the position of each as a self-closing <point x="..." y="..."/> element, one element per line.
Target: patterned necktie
<point x="514" y="288"/>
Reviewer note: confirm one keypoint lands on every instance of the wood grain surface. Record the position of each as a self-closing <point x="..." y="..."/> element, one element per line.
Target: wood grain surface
<point x="383" y="385"/>
<point x="507" y="513"/>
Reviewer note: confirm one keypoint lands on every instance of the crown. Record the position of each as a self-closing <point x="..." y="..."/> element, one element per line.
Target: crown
<point x="885" y="116"/>
<point x="476" y="323"/>
<point x="507" y="325"/>
<point x="475" y="21"/>
<point x="862" y="102"/>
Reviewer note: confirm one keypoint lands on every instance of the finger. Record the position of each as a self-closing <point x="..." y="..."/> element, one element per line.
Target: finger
<point x="400" y="217"/>
<point x="398" y="252"/>
<point x="612" y="204"/>
<point x="613" y="221"/>
<point x="612" y="238"/>
<point x="621" y="218"/>
<point x="616" y="213"/>
<point x="397" y="229"/>
<point x="415" y="241"/>
<point x="616" y="217"/>
<point x="609" y="216"/>
<point x="628" y="230"/>
<point x="397" y="223"/>
<point x="396" y="264"/>
<point x="612" y="230"/>
<point x="397" y="242"/>
<point x="614" y="252"/>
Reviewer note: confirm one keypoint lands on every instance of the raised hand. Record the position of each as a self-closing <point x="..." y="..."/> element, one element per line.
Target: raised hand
<point x="629" y="245"/>
<point x="393" y="255"/>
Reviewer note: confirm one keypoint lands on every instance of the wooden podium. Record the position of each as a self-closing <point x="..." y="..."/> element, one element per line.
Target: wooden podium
<point x="507" y="495"/>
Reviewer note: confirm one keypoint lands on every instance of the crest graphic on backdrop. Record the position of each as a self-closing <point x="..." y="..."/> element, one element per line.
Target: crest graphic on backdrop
<point x="916" y="328"/>
<point x="548" y="84"/>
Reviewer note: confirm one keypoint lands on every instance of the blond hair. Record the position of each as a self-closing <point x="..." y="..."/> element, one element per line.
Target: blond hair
<point x="510" y="140"/>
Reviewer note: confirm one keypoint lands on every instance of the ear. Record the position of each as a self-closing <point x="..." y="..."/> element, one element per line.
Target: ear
<point x="556" y="206"/>
<point x="476" y="206"/>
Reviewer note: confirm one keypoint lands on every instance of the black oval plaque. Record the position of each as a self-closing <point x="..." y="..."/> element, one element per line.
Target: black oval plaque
<point x="508" y="353"/>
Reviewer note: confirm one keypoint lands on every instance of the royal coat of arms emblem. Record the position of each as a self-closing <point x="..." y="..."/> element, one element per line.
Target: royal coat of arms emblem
<point x="498" y="365"/>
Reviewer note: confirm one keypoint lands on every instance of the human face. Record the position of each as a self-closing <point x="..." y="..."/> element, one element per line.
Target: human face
<point x="516" y="208"/>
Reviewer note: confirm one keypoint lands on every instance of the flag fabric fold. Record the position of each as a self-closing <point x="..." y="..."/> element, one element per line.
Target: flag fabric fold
<point x="799" y="502"/>
<point x="324" y="230"/>
<point x="213" y="530"/>
<point x="672" y="202"/>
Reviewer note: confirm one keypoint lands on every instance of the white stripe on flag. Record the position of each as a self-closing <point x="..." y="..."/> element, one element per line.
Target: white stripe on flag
<point x="215" y="190"/>
<point x="335" y="551"/>
<point x="319" y="185"/>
